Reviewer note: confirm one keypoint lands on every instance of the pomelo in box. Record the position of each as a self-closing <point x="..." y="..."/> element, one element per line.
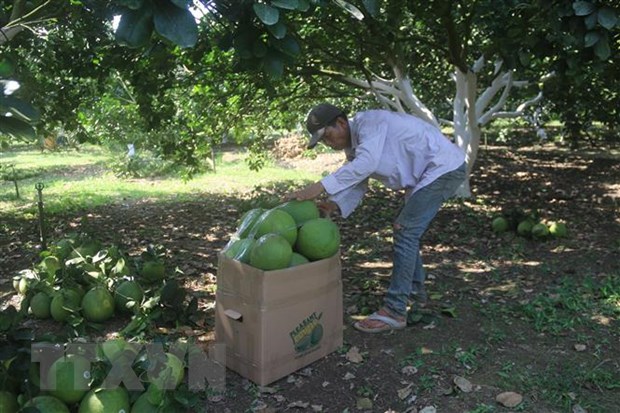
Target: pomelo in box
<point x="99" y="400"/>
<point x="240" y="249"/>
<point x="98" y="304"/>
<point x="276" y="221"/>
<point x="297" y="259"/>
<point x="301" y="211"/>
<point x="318" y="239"/>
<point x="247" y="222"/>
<point x="68" y="378"/>
<point x="271" y="252"/>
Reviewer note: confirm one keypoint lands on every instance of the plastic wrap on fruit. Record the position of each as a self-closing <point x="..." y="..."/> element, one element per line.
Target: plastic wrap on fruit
<point x="239" y="249"/>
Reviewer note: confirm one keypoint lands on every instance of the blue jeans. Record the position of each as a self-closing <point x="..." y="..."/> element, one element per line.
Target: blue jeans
<point x="408" y="274"/>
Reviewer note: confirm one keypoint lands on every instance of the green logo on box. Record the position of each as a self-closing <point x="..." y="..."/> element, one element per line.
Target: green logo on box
<point x="308" y="333"/>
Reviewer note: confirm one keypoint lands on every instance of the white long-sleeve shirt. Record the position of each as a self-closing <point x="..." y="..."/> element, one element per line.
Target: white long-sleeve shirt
<point x="399" y="150"/>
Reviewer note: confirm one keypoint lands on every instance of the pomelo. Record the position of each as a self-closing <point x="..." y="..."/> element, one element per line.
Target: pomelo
<point x="171" y="374"/>
<point x="64" y="303"/>
<point x="557" y="229"/>
<point x="47" y="404"/>
<point x="68" y="378"/>
<point x="318" y="239"/>
<point x="63" y="248"/>
<point x="23" y="286"/>
<point x="247" y="222"/>
<point x="297" y="259"/>
<point x="98" y="304"/>
<point x="40" y="305"/>
<point x="128" y="296"/>
<point x="101" y="400"/>
<point x="240" y="249"/>
<point x="153" y="271"/>
<point x="86" y="249"/>
<point x="500" y="224"/>
<point x="271" y="252"/>
<point x="115" y="348"/>
<point x="276" y="221"/>
<point x="525" y="228"/>
<point x="142" y="405"/>
<point x="540" y="230"/>
<point x="301" y="211"/>
<point x="8" y="402"/>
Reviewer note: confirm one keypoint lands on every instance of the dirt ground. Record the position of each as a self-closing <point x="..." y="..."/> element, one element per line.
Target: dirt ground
<point x="506" y="313"/>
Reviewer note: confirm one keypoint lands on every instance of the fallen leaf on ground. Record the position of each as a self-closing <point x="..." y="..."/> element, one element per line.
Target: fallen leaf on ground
<point x="364" y="403"/>
<point x="409" y="370"/>
<point x="354" y="356"/>
<point x="463" y="384"/>
<point x="429" y="409"/>
<point x="405" y="392"/>
<point x="580" y="347"/>
<point x="299" y="404"/>
<point x="509" y="399"/>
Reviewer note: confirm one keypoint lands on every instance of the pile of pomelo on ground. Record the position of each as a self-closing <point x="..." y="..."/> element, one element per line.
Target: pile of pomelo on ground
<point x="528" y="225"/>
<point x="290" y="234"/>
<point x="76" y="383"/>
<point x="80" y="281"/>
<point x="81" y="284"/>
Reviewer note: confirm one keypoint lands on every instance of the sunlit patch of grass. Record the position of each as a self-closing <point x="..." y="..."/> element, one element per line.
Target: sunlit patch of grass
<point x="82" y="190"/>
<point x="565" y="384"/>
<point x="585" y="302"/>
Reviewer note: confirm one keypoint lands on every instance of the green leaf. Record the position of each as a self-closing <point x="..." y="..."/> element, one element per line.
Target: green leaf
<point x="286" y="4"/>
<point x="175" y="24"/>
<point x="131" y="4"/>
<point x="273" y="66"/>
<point x="602" y="50"/>
<point x="371" y="7"/>
<point x="259" y="49"/>
<point x="135" y="27"/>
<point x="354" y="11"/>
<point x="607" y="17"/>
<point x="591" y="39"/>
<point x="6" y="68"/>
<point x="267" y="14"/>
<point x="289" y="46"/>
<point x="583" y="8"/>
<point x="9" y="125"/>
<point x="303" y="5"/>
<point x="182" y="4"/>
<point x="278" y="30"/>
<point x="591" y="20"/>
<point x="20" y="109"/>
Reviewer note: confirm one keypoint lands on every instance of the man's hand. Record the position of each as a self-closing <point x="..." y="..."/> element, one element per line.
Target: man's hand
<point x="309" y="192"/>
<point x="328" y="208"/>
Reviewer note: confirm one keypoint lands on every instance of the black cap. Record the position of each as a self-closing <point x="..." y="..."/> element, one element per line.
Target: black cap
<point x="319" y="117"/>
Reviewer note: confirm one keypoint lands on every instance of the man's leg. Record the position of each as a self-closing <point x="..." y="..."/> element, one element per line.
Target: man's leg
<point x="412" y="222"/>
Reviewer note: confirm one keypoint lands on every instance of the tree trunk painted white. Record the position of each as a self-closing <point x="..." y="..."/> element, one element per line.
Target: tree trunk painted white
<point x="471" y="111"/>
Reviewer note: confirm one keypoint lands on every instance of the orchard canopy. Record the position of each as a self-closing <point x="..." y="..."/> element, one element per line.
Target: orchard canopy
<point x="179" y="76"/>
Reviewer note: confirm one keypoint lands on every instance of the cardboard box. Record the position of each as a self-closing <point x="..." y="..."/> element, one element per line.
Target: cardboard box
<point x="276" y="322"/>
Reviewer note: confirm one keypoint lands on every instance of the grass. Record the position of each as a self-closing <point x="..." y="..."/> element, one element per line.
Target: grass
<point x="97" y="185"/>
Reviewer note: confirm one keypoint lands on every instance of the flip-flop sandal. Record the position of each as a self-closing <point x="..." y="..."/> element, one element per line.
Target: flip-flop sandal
<point x="388" y="324"/>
